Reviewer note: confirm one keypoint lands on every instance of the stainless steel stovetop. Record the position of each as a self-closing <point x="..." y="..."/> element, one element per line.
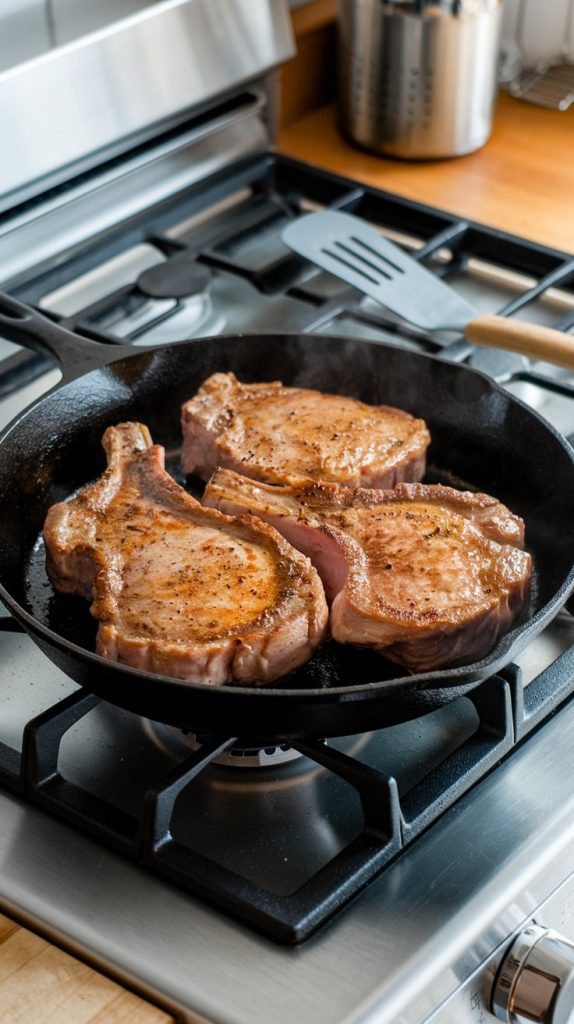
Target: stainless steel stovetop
<point x="422" y="943"/>
<point x="179" y="236"/>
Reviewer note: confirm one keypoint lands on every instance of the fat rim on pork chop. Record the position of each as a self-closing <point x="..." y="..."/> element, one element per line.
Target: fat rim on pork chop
<point x="177" y="588"/>
<point x="278" y="434"/>
<point x="427" y="575"/>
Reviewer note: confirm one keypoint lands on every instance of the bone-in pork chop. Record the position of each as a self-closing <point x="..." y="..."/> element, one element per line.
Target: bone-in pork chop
<point x="178" y="588"/>
<point x="280" y="435"/>
<point x="428" y="575"/>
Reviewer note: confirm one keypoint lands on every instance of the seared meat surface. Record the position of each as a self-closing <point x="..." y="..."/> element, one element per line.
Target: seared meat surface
<point x="178" y="588"/>
<point x="428" y="575"/>
<point x="279" y="435"/>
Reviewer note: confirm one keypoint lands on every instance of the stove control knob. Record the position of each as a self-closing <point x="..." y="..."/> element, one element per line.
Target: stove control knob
<point x="535" y="981"/>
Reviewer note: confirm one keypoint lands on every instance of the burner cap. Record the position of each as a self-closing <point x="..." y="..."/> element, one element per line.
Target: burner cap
<point x="176" y="278"/>
<point x="246" y="757"/>
<point x="174" y="741"/>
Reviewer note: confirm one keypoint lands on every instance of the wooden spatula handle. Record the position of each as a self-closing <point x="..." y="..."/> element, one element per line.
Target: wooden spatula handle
<point x="528" y="339"/>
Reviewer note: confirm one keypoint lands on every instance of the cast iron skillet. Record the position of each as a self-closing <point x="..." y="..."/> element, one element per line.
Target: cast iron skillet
<point x="480" y="433"/>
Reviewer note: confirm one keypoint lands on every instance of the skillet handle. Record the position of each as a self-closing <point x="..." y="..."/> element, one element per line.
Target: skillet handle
<point x="26" y="326"/>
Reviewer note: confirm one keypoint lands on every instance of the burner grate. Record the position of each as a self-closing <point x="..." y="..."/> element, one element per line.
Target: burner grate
<point x="505" y="713"/>
<point x="252" y="202"/>
<point x="395" y="809"/>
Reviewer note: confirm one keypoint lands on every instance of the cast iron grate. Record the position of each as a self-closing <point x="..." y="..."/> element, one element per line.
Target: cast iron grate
<point x="505" y="711"/>
<point x="505" y="714"/>
<point x="281" y="189"/>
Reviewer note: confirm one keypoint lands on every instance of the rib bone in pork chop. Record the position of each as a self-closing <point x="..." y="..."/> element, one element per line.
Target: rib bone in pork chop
<point x="177" y="588"/>
<point x="281" y="435"/>
<point x="426" y="574"/>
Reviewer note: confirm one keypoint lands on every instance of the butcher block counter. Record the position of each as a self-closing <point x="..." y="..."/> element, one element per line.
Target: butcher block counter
<point x="522" y="181"/>
<point x="40" y="984"/>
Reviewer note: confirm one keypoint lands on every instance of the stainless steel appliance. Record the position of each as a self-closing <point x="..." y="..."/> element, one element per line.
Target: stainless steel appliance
<point x="189" y="875"/>
<point x="418" y="79"/>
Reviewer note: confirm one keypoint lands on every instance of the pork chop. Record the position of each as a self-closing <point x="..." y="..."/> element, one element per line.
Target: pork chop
<point x="427" y="575"/>
<point x="279" y="435"/>
<point x="178" y="588"/>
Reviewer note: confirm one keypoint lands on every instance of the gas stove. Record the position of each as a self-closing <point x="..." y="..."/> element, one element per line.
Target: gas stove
<point x="379" y="877"/>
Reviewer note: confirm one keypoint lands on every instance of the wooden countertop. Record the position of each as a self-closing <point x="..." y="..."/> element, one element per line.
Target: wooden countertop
<point x="40" y="984"/>
<point x="522" y="181"/>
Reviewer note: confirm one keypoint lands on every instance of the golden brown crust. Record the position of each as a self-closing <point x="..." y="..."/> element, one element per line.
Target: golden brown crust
<point x="427" y="574"/>
<point x="278" y="434"/>
<point x="174" y="584"/>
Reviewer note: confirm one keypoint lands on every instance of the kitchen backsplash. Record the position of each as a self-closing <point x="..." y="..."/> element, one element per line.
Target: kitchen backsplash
<point x="536" y="33"/>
